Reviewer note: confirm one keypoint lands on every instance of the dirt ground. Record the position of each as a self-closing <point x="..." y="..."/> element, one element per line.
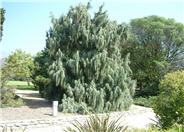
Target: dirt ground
<point x="35" y="108"/>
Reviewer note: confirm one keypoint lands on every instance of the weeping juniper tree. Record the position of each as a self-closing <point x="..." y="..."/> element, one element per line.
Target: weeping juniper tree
<point x="87" y="72"/>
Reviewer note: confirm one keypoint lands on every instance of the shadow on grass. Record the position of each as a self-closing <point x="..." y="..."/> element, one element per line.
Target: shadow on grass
<point x="26" y="87"/>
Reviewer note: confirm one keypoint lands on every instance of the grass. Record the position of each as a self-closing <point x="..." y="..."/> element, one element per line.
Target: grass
<point x="21" y="85"/>
<point x="25" y="87"/>
<point x="13" y="83"/>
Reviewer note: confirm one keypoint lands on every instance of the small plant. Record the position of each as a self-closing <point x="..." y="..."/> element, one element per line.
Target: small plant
<point x="97" y="124"/>
<point x="169" y="105"/>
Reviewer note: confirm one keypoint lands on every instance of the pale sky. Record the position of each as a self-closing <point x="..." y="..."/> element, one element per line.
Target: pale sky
<point x="27" y="22"/>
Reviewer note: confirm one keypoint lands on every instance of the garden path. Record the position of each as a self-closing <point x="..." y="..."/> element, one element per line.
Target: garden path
<point x="35" y="108"/>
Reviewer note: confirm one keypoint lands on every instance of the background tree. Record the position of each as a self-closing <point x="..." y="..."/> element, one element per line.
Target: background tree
<point x="19" y="62"/>
<point x="2" y="19"/>
<point x="157" y="47"/>
<point x="87" y="71"/>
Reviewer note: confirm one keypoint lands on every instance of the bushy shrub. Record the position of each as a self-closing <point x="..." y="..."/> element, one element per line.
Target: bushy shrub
<point x="41" y="82"/>
<point x="39" y="72"/>
<point x="8" y="97"/>
<point x="169" y="105"/>
<point x="145" y="101"/>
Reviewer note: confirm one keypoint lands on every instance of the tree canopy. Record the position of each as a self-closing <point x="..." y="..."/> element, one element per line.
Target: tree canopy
<point x="157" y="47"/>
<point x="162" y="36"/>
<point x="19" y="62"/>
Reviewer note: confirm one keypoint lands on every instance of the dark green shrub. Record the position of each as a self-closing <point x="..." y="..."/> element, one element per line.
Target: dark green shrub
<point x="169" y="105"/>
<point x="145" y="101"/>
<point x="39" y="72"/>
<point x="41" y="82"/>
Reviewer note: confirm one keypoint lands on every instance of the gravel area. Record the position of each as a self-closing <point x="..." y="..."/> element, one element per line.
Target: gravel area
<point x="36" y="115"/>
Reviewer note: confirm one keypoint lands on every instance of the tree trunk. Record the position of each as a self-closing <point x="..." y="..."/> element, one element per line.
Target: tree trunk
<point x="28" y="81"/>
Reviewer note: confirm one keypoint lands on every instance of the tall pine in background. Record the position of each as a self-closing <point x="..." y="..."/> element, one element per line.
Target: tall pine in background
<point x="87" y="71"/>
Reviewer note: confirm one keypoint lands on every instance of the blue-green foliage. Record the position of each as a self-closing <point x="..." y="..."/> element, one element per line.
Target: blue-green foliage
<point x="87" y="71"/>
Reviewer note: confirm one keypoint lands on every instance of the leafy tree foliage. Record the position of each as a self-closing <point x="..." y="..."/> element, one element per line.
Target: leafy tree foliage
<point x="156" y="46"/>
<point x="87" y="71"/>
<point x="2" y="19"/>
<point x="19" y="62"/>
<point x="169" y="104"/>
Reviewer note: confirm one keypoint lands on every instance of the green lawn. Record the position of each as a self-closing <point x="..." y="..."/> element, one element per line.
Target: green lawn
<point x="13" y="83"/>
<point x="21" y="85"/>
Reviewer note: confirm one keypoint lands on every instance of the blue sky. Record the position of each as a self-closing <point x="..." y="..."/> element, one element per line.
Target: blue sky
<point x="27" y="22"/>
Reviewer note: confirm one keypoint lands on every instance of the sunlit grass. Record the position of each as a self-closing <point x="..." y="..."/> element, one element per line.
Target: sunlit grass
<point x="21" y="85"/>
<point x="18" y="83"/>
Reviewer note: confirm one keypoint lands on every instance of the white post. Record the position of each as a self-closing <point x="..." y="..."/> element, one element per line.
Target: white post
<point x="54" y="108"/>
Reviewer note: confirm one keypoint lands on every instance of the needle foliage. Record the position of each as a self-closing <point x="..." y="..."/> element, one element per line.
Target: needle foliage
<point x="87" y="71"/>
